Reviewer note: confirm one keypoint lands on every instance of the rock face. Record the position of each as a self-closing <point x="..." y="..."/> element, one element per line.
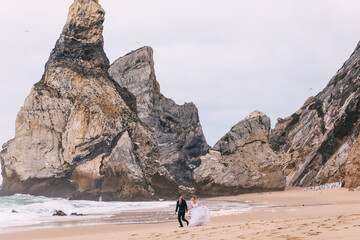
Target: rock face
<point x="317" y="144"/>
<point x="78" y="134"/>
<point x="90" y="130"/>
<point x="178" y="130"/>
<point x="242" y="161"/>
<point x="352" y="169"/>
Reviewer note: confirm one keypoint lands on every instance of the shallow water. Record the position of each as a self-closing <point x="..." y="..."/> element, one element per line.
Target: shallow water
<point x="33" y="212"/>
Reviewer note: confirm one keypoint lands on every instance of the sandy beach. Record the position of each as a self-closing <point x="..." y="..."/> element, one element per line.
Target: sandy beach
<point x="293" y="214"/>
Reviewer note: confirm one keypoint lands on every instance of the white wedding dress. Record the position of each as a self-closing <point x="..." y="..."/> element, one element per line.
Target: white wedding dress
<point x="200" y="215"/>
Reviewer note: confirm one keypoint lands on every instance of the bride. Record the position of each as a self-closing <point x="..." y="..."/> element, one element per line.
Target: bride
<point x="200" y="215"/>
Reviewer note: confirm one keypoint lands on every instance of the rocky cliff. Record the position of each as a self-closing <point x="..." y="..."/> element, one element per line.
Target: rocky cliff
<point x="88" y="129"/>
<point x="78" y="134"/>
<point x="242" y="161"/>
<point x="178" y="131"/>
<point x="318" y="143"/>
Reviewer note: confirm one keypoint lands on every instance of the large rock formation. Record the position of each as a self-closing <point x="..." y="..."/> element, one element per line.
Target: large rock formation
<point x="242" y="161"/>
<point x="178" y="130"/>
<point x="317" y="144"/>
<point x="78" y="134"/>
<point x="88" y="129"/>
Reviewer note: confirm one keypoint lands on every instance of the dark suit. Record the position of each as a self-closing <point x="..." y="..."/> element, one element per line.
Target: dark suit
<point x="181" y="213"/>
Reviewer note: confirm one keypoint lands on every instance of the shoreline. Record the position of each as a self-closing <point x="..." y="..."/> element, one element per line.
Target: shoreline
<point x="292" y="214"/>
<point x="25" y="212"/>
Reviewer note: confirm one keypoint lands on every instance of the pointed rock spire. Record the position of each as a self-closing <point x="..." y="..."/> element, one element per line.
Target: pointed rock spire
<point x="77" y="135"/>
<point x="177" y="127"/>
<point x="81" y="42"/>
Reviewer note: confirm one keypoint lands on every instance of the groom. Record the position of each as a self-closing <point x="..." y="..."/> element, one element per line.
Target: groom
<point x="182" y="206"/>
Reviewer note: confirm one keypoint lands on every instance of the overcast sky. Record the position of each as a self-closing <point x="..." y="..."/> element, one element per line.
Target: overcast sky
<point x="229" y="57"/>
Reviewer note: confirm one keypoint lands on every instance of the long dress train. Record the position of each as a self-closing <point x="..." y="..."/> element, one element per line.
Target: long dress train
<point x="200" y="215"/>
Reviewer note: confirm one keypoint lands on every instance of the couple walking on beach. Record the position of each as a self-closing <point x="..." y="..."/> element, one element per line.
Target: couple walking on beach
<point x="200" y="215"/>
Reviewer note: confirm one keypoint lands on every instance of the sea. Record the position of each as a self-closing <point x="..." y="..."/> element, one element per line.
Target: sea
<point x="26" y="212"/>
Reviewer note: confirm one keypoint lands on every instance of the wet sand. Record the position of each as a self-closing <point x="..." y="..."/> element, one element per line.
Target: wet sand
<point x="293" y="215"/>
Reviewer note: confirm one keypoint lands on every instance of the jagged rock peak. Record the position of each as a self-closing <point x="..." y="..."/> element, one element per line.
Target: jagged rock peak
<point x="135" y="71"/>
<point x="81" y="42"/>
<point x="178" y="130"/>
<point x="254" y="114"/>
<point x="243" y="161"/>
<point x="88" y="17"/>
<point x="255" y="127"/>
<point x="317" y="144"/>
<point x="77" y="135"/>
<point x="145" y="57"/>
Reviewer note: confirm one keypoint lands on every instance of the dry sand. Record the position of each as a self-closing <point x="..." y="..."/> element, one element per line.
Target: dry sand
<point x="294" y="214"/>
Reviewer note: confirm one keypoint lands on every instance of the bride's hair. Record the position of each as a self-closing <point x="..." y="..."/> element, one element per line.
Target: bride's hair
<point x="194" y="197"/>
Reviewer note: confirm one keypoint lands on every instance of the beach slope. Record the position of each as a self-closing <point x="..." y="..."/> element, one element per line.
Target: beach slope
<point x="292" y="214"/>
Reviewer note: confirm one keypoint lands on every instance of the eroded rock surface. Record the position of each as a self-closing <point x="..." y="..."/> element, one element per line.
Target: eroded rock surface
<point x="242" y="161"/>
<point x="352" y="169"/>
<point x="314" y="144"/>
<point x="78" y="134"/>
<point x="178" y="130"/>
<point x="90" y="130"/>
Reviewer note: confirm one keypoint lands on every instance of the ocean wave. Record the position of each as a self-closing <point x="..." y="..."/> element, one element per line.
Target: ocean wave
<point x="22" y="210"/>
<point x="25" y="212"/>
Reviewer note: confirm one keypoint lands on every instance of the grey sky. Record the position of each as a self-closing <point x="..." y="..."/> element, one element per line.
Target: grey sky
<point x="229" y="57"/>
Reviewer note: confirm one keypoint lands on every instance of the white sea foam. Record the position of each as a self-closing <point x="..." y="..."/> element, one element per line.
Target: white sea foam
<point x="36" y="212"/>
<point x="31" y="210"/>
